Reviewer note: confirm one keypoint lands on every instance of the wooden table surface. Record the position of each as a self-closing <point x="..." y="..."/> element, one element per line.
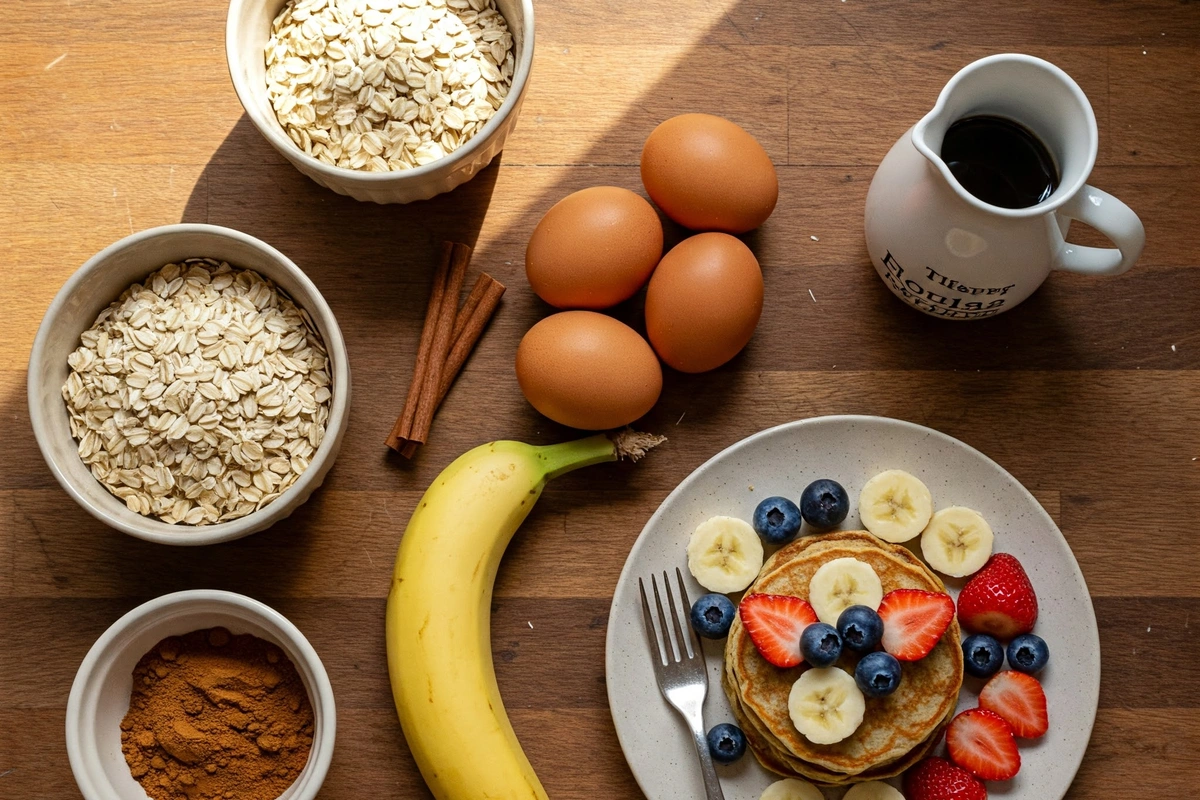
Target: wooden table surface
<point x="118" y="115"/>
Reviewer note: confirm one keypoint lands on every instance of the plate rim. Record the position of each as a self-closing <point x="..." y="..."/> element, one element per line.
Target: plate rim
<point x="947" y="439"/>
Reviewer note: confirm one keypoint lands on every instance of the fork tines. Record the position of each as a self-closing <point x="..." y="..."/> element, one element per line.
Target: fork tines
<point x="677" y="646"/>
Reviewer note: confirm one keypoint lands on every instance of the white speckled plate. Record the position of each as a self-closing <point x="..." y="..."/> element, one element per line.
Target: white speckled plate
<point x="850" y="450"/>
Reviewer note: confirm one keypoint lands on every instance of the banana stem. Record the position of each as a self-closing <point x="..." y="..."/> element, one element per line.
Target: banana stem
<point x="558" y="459"/>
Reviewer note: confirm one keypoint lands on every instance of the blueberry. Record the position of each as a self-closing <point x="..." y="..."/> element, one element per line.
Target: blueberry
<point x="820" y="644"/>
<point x="712" y="615"/>
<point x="1028" y="653"/>
<point x="726" y="742"/>
<point x="777" y="520"/>
<point x="982" y="655"/>
<point x="877" y="674"/>
<point x="824" y="504"/>
<point x="860" y="628"/>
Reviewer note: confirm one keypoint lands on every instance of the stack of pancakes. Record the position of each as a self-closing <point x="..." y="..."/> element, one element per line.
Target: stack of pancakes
<point x="898" y="730"/>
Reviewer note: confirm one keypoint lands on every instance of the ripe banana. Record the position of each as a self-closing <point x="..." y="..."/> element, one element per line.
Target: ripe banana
<point x="957" y="541"/>
<point x="439" y="612"/>
<point x="895" y="506"/>
<point x="873" y="790"/>
<point x="826" y="705"/>
<point x="792" y="789"/>
<point x="724" y="554"/>
<point x="841" y="583"/>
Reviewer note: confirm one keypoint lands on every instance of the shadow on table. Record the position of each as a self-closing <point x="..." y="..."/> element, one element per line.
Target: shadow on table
<point x="249" y="186"/>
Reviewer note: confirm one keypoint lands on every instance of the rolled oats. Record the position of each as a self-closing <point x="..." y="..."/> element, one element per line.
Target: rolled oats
<point x="421" y="77"/>
<point x="200" y="395"/>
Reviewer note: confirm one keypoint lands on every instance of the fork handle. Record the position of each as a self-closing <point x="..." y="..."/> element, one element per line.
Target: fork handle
<point x="712" y="786"/>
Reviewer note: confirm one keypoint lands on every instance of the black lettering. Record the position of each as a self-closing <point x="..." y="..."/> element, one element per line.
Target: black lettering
<point x="892" y="265"/>
<point x="934" y="275"/>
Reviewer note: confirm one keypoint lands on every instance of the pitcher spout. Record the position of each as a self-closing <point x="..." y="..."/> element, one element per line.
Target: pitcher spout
<point x="1031" y="92"/>
<point x="930" y="131"/>
<point x="960" y="97"/>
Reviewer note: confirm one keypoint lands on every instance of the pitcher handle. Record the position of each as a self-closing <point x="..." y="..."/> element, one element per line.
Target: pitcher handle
<point x="1111" y="217"/>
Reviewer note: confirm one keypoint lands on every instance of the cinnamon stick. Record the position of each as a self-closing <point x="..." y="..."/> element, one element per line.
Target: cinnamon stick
<point x="469" y="305"/>
<point x="473" y="328"/>
<point x="403" y="427"/>
<point x="473" y="325"/>
<point x="427" y="402"/>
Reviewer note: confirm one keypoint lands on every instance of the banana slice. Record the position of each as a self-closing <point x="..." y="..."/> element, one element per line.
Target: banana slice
<point x="957" y="541"/>
<point x="841" y="583"/>
<point x="873" y="790"/>
<point x="895" y="506"/>
<point x="725" y="554"/>
<point x="826" y="705"/>
<point x="792" y="789"/>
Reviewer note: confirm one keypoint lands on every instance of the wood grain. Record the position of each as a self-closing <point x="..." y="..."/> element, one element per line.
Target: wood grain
<point x="120" y="116"/>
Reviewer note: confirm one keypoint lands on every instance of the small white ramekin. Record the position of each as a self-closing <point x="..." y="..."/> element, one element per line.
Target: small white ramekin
<point x="247" y="29"/>
<point x="100" y="694"/>
<point x="99" y="282"/>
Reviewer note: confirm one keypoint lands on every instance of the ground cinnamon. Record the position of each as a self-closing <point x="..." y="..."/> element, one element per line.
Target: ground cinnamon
<point x="215" y="716"/>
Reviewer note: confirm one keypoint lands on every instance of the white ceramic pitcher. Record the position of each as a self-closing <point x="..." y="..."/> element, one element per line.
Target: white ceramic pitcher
<point x="950" y="254"/>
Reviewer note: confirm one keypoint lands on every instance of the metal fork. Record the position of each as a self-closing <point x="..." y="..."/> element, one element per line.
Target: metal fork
<point x="681" y="671"/>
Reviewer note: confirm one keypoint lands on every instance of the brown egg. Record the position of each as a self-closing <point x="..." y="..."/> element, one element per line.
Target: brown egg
<point x="588" y="370"/>
<point x="709" y="174"/>
<point x="594" y="248"/>
<point x="704" y="302"/>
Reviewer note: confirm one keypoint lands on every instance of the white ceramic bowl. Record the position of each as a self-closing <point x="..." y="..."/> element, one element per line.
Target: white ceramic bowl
<point x="100" y="281"/>
<point x="101" y="691"/>
<point x="247" y="29"/>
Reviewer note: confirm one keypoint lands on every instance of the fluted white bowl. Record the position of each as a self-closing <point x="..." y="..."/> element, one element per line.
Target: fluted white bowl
<point x="99" y="282"/>
<point x="103" y="685"/>
<point x="247" y="29"/>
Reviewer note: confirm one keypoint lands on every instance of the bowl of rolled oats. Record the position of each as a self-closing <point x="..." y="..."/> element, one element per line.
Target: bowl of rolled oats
<point x="389" y="101"/>
<point x="189" y="385"/>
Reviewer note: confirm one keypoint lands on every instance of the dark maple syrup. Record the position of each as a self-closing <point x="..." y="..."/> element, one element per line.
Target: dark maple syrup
<point x="1000" y="161"/>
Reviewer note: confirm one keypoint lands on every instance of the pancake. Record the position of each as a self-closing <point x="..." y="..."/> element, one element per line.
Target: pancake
<point x="896" y="730"/>
<point x="786" y="764"/>
<point x="789" y="766"/>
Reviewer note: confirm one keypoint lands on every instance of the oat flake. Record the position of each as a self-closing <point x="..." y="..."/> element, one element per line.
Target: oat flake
<point x="383" y="85"/>
<point x="200" y="395"/>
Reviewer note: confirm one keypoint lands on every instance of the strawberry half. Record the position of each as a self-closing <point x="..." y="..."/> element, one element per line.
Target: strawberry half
<point x="982" y="743"/>
<point x="1020" y="700"/>
<point x="937" y="779"/>
<point x="914" y="621"/>
<point x="775" y="622"/>
<point x="999" y="599"/>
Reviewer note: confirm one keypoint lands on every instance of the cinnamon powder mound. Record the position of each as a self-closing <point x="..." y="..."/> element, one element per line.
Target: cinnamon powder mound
<point x="215" y="716"/>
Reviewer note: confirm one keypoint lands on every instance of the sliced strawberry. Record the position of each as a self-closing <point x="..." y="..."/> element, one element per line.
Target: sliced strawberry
<point x="1020" y="700"/>
<point x="937" y="779"/>
<point x="775" y="622"/>
<point x="914" y="621"/>
<point x="982" y="743"/>
<point x="999" y="599"/>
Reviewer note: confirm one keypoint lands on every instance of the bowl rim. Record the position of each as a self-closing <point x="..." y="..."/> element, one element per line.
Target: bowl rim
<point x="152" y="529"/>
<point x="320" y="693"/>
<point x="282" y="143"/>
